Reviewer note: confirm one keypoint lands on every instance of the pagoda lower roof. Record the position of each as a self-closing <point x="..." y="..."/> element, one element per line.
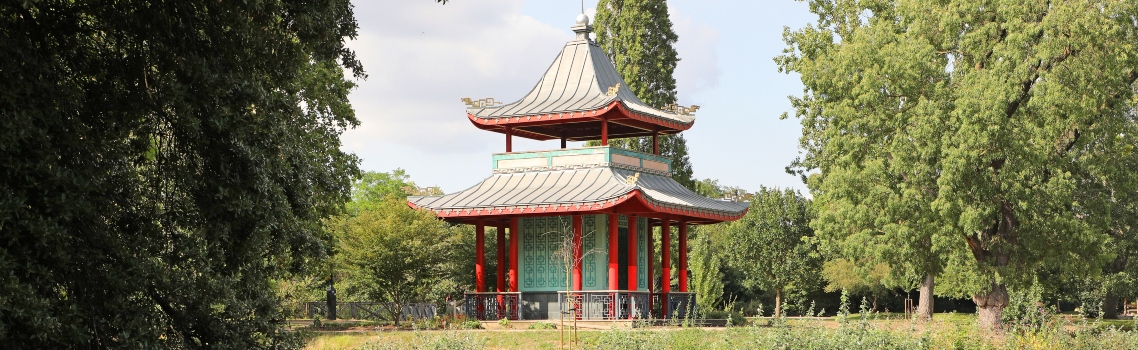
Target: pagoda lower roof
<point x="593" y="190"/>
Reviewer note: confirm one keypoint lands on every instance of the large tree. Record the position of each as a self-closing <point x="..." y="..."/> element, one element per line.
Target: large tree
<point x="637" y="36"/>
<point x="982" y="132"/>
<point x="773" y="244"/>
<point x="162" y="163"/>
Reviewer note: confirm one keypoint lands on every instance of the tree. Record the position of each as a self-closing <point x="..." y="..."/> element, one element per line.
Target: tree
<point x="771" y="244"/>
<point x="637" y="36"/>
<point x="394" y="253"/>
<point x="164" y="162"/>
<point x="707" y="278"/>
<point x="857" y="279"/>
<point x="967" y="131"/>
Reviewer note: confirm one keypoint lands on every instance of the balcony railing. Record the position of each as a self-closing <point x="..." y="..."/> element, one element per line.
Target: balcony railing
<point x="492" y="306"/>
<point x="680" y="305"/>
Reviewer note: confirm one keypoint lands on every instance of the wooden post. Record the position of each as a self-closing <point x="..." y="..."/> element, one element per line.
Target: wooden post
<point x="666" y="256"/>
<point x="683" y="256"/>
<point x="655" y="143"/>
<point x="479" y="257"/>
<point x="665" y="263"/>
<point x="501" y="258"/>
<point x="632" y="273"/>
<point x="509" y="139"/>
<point x="614" y="252"/>
<point x="604" y="132"/>
<point x="514" y="237"/>
<point x="577" y="252"/>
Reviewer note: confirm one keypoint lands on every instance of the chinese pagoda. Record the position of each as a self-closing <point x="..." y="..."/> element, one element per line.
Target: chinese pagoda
<point x="568" y="211"/>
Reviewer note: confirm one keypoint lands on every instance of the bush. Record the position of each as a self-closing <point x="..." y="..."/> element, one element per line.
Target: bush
<point x="505" y="323"/>
<point x="542" y="325"/>
<point x="472" y="324"/>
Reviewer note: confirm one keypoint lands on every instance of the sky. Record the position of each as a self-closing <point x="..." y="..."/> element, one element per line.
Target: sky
<point x="422" y="57"/>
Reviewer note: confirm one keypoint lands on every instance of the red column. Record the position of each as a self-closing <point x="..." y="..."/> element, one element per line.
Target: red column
<point x="683" y="256"/>
<point x="666" y="256"/>
<point x="480" y="257"/>
<point x="632" y="273"/>
<point x="604" y="132"/>
<point x="514" y="237"/>
<point x="614" y="252"/>
<point x="509" y="139"/>
<point x="577" y="252"/>
<point x="501" y="258"/>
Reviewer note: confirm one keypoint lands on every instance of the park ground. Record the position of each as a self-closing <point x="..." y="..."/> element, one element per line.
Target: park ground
<point x="946" y="331"/>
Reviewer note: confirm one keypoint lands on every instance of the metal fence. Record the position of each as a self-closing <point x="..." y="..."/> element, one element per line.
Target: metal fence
<point x="605" y="304"/>
<point x="373" y="311"/>
<point x="492" y="306"/>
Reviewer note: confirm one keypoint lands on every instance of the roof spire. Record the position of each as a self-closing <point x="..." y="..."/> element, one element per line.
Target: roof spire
<point x="582" y="28"/>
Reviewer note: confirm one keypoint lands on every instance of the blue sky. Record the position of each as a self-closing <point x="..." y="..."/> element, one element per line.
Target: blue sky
<point x="422" y="58"/>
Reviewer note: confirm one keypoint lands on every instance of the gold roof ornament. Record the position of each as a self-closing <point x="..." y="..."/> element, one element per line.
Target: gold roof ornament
<point x="631" y="180"/>
<point x="613" y="90"/>
<point x="486" y="102"/>
<point x="681" y="109"/>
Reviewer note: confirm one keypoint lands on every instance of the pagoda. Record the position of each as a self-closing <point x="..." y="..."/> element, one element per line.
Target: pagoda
<point x="568" y="211"/>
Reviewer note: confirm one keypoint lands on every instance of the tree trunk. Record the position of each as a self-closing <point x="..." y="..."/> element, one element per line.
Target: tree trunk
<point x="990" y="305"/>
<point x="874" y="303"/>
<point x="925" y="299"/>
<point x="778" y="302"/>
<point x="1110" y="306"/>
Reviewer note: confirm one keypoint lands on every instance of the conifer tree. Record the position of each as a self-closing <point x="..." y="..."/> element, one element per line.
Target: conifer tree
<point x="637" y="36"/>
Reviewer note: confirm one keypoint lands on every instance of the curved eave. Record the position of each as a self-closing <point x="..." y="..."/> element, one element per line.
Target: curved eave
<point x="634" y="197"/>
<point x="615" y="111"/>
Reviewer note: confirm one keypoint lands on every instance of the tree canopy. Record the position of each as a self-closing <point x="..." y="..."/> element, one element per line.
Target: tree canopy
<point x="772" y="244"/>
<point x="998" y="134"/>
<point x="164" y="161"/>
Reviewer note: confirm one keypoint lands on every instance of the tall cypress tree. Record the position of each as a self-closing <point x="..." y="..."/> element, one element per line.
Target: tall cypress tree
<point x="637" y="36"/>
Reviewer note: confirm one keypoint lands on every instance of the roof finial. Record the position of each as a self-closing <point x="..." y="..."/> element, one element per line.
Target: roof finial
<point x="582" y="28"/>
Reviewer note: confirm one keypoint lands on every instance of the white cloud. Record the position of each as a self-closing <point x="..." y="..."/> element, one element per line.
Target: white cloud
<point x="421" y="57"/>
<point x="698" y="69"/>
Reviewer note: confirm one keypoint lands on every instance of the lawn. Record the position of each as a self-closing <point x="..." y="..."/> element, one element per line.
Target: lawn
<point x="945" y="331"/>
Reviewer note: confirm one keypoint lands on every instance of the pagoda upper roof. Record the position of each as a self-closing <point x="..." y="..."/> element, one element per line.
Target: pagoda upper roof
<point x="579" y="89"/>
<point x="579" y="181"/>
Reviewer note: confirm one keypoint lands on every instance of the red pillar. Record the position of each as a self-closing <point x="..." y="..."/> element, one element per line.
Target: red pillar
<point x="514" y="237"/>
<point x="509" y="139"/>
<point x="666" y="257"/>
<point x="683" y="256"/>
<point x="577" y="252"/>
<point x="501" y="258"/>
<point x="614" y="252"/>
<point x="480" y="257"/>
<point x="632" y="273"/>
<point x="604" y="132"/>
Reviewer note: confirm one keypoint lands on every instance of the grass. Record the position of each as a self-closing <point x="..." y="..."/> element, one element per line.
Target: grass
<point x="958" y="331"/>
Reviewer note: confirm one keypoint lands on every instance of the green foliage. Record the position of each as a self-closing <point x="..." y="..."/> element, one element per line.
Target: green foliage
<point x="1026" y="307"/>
<point x="433" y="340"/>
<point x="394" y="253"/>
<point x="542" y="325"/>
<point x="505" y="323"/>
<point x="771" y="244"/>
<point x="997" y="132"/>
<point x="707" y="280"/>
<point x="163" y="163"/>
<point x="472" y="324"/>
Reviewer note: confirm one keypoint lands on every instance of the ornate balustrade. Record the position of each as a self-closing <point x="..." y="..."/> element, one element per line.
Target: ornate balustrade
<point x="493" y="306"/>
<point x="605" y="304"/>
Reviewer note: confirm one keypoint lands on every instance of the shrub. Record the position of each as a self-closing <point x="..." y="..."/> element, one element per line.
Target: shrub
<point x="505" y="323"/>
<point x="542" y="325"/>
